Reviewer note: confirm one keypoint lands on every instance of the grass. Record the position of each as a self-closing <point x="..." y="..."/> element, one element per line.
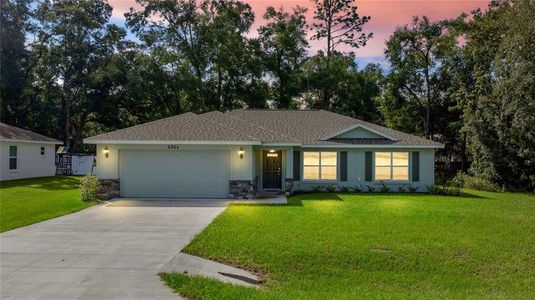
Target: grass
<point x="347" y="246"/>
<point x="27" y="201"/>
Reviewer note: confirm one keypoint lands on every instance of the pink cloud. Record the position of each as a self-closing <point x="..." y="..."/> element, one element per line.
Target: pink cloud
<point x="386" y="15"/>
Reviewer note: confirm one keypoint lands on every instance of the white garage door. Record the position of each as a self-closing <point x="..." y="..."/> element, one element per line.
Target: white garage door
<point x="194" y="174"/>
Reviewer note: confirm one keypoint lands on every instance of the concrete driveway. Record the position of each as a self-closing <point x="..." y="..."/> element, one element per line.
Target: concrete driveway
<point x="103" y="252"/>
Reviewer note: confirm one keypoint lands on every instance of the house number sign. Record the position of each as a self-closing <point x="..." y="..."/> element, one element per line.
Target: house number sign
<point x="172" y="147"/>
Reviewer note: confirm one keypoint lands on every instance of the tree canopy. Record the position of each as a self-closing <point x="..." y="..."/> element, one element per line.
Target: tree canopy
<point x="68" y="72"/>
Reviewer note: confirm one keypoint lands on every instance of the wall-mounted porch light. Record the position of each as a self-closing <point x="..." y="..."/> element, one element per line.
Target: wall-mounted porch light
<point x="241" y="152"/>
<point x="106" y="152"/>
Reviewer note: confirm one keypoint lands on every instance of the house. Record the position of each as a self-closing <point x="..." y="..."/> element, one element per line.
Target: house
<point x="25" y="154"/>
<point x="208" y="155"/>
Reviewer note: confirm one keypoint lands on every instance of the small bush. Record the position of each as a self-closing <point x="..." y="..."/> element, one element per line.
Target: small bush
<point x="370" y="188"/>
<point x="435" y="190"/>
<point x="89" y="187"/>
<point x="471" y="182"/>
<point x="446" y="190"/>
<point x="357" y="189"/>
<point x="317" y="189"/>
<point x="412" y="189"/>
<point x="401" y="190"/>
<point x="384" y="188"/>
<point x="330" y="188"/>
<point x="345" y="189"/>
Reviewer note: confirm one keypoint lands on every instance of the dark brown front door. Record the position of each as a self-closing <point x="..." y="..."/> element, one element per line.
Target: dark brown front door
<point x="272" y="165"/>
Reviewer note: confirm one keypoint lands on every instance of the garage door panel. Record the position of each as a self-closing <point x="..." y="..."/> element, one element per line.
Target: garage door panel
<point x="192" y="174"/>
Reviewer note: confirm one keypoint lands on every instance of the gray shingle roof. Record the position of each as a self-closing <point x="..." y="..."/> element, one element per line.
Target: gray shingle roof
<point x="311" y="126"/>
<point x="306" y="127"/>
<point x="183" y="127"/>
<point x="10" y="132"/>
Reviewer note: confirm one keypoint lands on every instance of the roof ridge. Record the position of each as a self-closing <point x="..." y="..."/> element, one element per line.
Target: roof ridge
<point x="261" y="127"/>
<point x="226" y="127"/>
<point x="146" y="123"/>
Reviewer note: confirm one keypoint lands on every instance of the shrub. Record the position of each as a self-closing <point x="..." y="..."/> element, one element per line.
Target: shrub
<point x="401" y="189"/>
<point x="330" y="188"/>
<point x="444" y="190"/>
<point x="89" y="186"/>
<point x="357" y="189"/>
<point x="434" y="190"/>
<point x="345" y="189"/>
<point x="475" y="183"/>
<point x="384" y="188"/>
<point x="370" y="188"/>
<point x="412" y="189"/>
<point x="317" y="189"/>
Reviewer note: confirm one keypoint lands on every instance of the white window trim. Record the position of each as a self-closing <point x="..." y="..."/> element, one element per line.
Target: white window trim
<point x="319" y="167"/>
<point x="392" y="180"/>
<point x="15" y="157"/>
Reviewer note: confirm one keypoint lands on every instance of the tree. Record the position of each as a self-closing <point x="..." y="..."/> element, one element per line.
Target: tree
<point x="416" y="81"/>
<point x="284" y="44"/>
<point x="338" y="23"/>
<point x="352" y="91"/>
<point x="499" y="114"/>
<point x="14" y="60"/>
<point x="203" y="42"/>
<point x="72" y="40"/>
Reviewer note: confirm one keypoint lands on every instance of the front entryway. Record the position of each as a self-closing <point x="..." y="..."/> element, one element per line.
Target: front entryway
<point x="272" y="169"/>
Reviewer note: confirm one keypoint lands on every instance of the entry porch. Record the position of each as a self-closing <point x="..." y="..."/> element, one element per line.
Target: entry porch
<point x="272" y="173"/>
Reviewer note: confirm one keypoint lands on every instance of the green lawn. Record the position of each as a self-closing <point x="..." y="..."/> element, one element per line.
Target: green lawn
<point x="27" y="201"/>
<point x="347" y="246"/>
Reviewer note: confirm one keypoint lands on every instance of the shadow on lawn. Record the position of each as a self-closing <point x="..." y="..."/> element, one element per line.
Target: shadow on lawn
<point x="52" y="183"/>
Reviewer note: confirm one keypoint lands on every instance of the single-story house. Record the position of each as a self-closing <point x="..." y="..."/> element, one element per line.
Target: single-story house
<point x="211" y="154"/>
<point x="26" y="154"/>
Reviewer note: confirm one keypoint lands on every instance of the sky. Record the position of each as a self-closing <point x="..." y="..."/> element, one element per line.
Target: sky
<point x="385" y="15"/>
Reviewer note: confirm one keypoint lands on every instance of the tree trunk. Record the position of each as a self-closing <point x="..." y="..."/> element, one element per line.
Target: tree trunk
<point x="220" y="89"/>
<point x="427" y="126"/>
<point x="464" y="167"/>
<point x="327" y="92"/>
<point x="200" y="89"/>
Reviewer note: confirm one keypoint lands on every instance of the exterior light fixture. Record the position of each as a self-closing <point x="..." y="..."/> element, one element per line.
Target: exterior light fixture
<point x="106" y="152"/>
<point x="241" y="152"/>
<point x="272" y="151"/>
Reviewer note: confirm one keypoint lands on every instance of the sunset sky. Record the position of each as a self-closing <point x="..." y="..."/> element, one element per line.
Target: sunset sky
<point x="385" y="16"/>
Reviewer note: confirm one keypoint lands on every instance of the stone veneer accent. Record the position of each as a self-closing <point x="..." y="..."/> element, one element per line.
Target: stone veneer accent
<point x="243" y="188"/>
<point x="289" y="186"/>
<point x="109" y="189"/>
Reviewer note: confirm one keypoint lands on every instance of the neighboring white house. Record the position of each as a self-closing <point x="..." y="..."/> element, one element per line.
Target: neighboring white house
<point x="210" y="154"/>
<point x="25" y="154"/>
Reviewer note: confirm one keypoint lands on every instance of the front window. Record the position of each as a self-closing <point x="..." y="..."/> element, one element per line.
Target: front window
<point x="391" y="166"/>
<point x="12" y="157"/>
<point x="319" y="165"/>
<point x="42" y="151"/>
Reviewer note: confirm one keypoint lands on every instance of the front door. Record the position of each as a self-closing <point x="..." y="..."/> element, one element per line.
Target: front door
<point x="272" y="173"/>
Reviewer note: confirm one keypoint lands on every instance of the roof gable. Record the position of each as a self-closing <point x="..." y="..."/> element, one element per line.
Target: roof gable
<point x="359" y="131"/>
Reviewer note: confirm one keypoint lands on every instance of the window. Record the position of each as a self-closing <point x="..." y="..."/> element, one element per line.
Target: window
<point x="391" y="166"/>
<point x="42" y="151"/>
<point x="12" y="157"/>
<point x="319" y="165"/>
